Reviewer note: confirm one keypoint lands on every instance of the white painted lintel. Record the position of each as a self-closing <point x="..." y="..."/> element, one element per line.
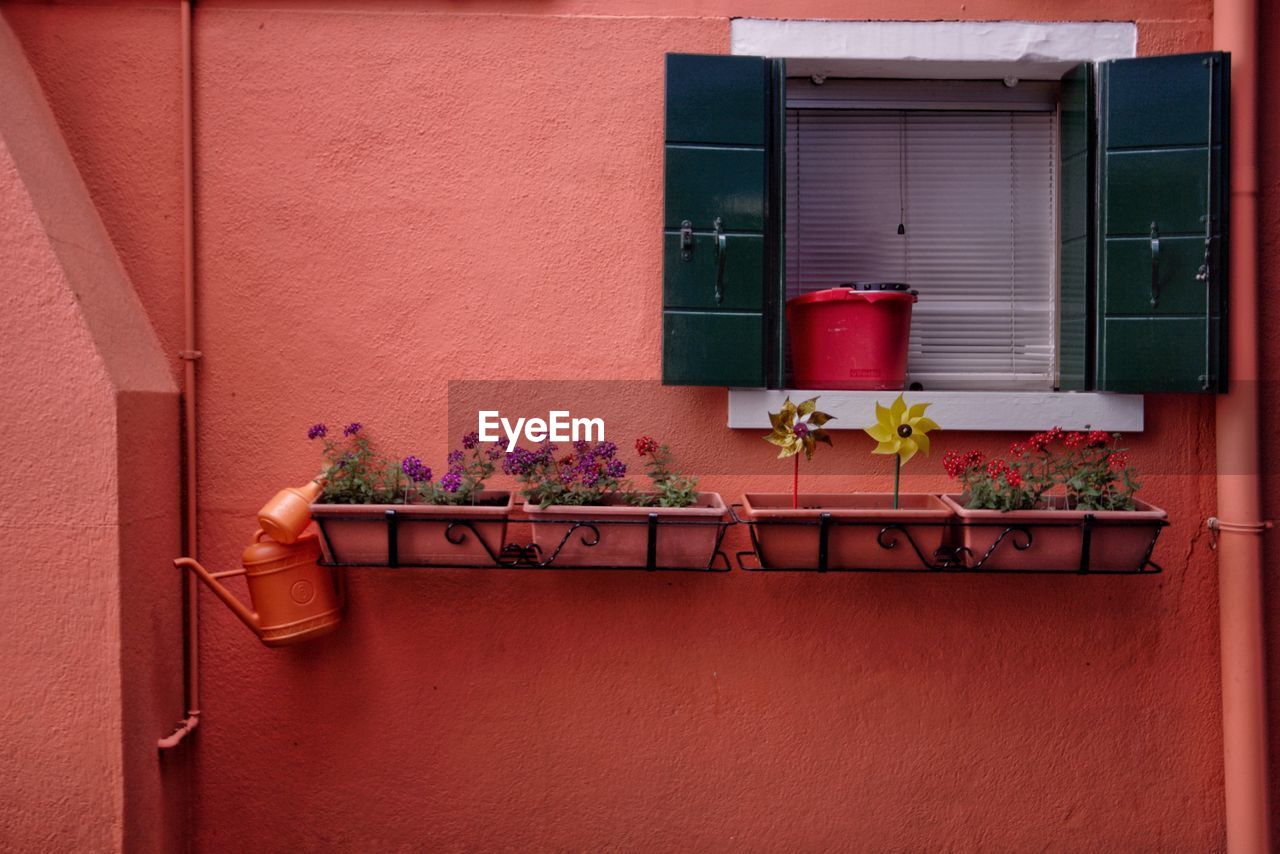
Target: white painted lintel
<point x="1020" y="411"/>
<point x="937" y="49"/>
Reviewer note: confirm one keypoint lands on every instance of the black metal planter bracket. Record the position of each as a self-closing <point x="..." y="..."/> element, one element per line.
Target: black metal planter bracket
<point x="393" y="539"/>
<point x="824" y="541"/>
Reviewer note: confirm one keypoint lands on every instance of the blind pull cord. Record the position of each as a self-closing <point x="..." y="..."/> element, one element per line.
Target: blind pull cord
<point x="902" y="169"/>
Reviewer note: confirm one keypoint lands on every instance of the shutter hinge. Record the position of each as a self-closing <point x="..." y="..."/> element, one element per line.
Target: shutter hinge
<point x="686" y="241"/>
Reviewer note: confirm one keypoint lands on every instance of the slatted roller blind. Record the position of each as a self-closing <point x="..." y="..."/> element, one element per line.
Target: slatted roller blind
<point x="974" y="190"/>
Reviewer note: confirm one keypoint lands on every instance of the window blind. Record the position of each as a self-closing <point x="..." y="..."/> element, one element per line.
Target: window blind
<point x="974" y="192"/>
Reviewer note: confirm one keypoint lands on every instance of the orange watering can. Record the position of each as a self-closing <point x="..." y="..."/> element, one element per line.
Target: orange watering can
<point x="293" y="596"/>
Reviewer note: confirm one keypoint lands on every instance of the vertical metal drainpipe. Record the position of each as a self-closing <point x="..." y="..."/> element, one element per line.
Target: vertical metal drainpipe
<point x="1240" y="524"/>
<point x="189" y="356"/>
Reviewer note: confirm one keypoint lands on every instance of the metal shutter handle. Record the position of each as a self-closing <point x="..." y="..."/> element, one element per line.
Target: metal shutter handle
<point x="722" y="249"/>
<point x="1155" y="265"/>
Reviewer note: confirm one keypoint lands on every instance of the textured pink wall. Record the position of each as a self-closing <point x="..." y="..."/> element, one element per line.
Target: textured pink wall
<point x="88" y="420"/>
<point x="391" y="199"/>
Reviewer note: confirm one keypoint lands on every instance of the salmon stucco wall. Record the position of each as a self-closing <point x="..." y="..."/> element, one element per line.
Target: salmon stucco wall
<point x="395" y="196"/>
<point x="90" y="642"/>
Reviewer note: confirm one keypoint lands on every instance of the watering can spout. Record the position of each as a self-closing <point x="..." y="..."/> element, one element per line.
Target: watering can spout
<point x="293" y="597"/>
<point x="249" y="618"/>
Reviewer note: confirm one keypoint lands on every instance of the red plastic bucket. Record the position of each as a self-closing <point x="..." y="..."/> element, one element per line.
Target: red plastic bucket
<point x="851" y="337"/>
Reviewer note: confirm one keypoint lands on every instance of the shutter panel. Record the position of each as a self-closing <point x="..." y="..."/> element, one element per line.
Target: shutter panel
<point x="1162" y="252"/>
<point x="1075" y="248"/>
<point x="719" y="232"/>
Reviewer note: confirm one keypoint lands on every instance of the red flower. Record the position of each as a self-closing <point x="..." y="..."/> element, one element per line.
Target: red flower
<point x="646" y="445"/>
<point x="997" y="467"/>
<point x="1074" y="440"/>
<point x="1099" y="438"/>
<point x="956" y="464"/>
<point x="1013" y="477"/>
<point x="1018" y="449"/>
<point x="1040" y="441"/>
<point x="1117" y="460"/>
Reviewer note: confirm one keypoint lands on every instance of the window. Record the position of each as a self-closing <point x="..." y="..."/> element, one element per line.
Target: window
<point x="948" y="186"/>
<point x="1122" y="183"/>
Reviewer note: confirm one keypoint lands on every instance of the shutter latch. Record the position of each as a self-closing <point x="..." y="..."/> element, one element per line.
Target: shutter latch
<point x="722" y="248"/>
<point x="686" y="241"/>
<point x="1155" y="265"/>
<point x="1202" y="274"/>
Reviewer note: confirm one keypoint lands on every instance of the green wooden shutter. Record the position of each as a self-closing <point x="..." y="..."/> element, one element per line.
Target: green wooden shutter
<point x="1162" y="248"/>
<point x="1075" y="207"/>
<point x="720" y="252"/>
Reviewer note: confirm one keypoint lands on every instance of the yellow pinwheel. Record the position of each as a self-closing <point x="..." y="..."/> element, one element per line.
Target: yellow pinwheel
<point x="798" y="428"/>
<point x="901" y="430"/>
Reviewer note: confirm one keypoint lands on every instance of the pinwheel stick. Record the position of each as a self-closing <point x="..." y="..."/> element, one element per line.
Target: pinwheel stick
<point x="795" y="484"/>
<point x="897" y="476"/>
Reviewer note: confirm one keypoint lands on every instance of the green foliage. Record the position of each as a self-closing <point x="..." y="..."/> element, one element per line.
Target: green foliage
<point x="355" y="473"/>
<point x="670" y="489"/>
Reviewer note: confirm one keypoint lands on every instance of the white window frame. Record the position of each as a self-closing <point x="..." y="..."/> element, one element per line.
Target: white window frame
<point x="954" y="50"/>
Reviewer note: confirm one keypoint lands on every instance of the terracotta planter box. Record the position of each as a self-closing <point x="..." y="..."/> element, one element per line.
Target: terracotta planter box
<point x="782" y="544"/>
<point x="678" y="546"/>
<point x="357" y="533"/>
<point x="1119" y="541"/>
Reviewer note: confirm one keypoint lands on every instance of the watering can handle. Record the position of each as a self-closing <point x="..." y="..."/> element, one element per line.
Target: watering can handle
<point x="249" y="618"/>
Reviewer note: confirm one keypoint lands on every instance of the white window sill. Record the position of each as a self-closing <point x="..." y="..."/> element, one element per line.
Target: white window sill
<point x="1021" y="411"/>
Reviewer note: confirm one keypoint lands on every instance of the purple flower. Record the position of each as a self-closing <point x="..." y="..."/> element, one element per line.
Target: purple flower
<point x="516" y="462"/>
<point x="470" y="440"/>
<point x="580" y="447"/>
<point x="801" y="429"/>
<point x="451" y="482"/>
<point x="606" y="450"/>
<point x="455" y="457"/>
<point x="352" y="428"/>
<point x="496" y="452"/>
<point x="317" y="431"/>
<point x="615" y="469"/>
<point x="415" y="470"/>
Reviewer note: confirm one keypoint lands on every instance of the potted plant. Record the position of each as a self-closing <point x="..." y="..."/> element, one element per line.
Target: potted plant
<point x="876" y="531"/>
<point x="1060" y="501"/>
<point x="583" y="513"/>
<point x="378" y="511"/>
